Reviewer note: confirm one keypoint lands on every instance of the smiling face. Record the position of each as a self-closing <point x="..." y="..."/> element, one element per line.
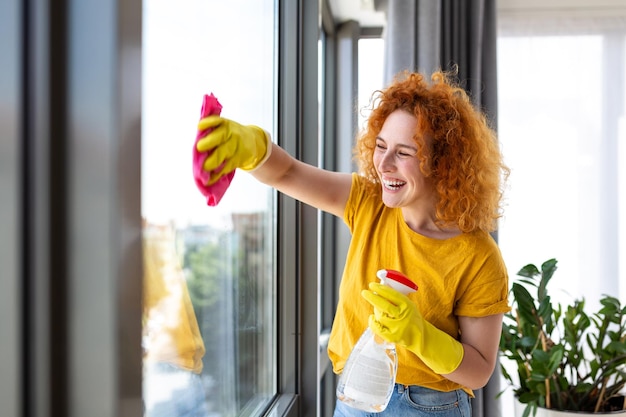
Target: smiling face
<point x="398" y="166"/>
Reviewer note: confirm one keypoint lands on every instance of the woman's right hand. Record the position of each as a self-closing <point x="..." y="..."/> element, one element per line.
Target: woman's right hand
<point x="232" y="145"/>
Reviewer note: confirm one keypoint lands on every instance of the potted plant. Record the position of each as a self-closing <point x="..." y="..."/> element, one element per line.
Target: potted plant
<point x="566" y="359"/>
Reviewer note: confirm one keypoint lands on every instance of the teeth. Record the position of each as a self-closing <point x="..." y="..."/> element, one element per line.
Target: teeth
<point x="393" y="185"/>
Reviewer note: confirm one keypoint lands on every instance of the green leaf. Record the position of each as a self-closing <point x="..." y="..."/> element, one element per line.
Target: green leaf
<point x="505" y="374"/>
<point x="616" y="347"/>
<point x="528" y="397"/>
<point x="611" y="305"/>
<point x="546" y="311"/>
<point x="529" y="271"/>
<point x="528" y="341"/>
<point x="547" y="270"/>
<point x="525" y="304"/>
<point x="556" y="357"/>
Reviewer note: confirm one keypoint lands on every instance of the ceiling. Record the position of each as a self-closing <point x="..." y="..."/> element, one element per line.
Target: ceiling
<point x="363" y="11"/>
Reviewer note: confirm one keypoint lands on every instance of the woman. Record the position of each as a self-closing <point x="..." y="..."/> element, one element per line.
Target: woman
<point x="427" y="195"/>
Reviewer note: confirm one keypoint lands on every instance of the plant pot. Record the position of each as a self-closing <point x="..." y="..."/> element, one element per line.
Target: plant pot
<point x="544" y="412"/>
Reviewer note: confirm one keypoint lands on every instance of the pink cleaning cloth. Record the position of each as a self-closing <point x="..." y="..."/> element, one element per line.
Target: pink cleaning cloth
<point x="215" y="192"/>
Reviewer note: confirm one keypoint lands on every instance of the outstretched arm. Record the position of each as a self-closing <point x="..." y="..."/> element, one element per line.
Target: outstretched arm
<point x="325" y="190"/>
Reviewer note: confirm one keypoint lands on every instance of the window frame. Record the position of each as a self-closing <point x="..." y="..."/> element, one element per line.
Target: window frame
<point x="75" y="266"/>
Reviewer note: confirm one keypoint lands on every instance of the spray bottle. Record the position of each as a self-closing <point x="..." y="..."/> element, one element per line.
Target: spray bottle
<point x="368" y="378"/>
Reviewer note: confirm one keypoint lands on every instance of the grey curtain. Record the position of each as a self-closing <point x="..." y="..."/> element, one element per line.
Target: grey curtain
<point x="427" y="35"/>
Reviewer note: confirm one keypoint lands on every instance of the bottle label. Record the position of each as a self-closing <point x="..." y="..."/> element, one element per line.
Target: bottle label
<point x="369" y="381"/>
<point x="370" y="377"/>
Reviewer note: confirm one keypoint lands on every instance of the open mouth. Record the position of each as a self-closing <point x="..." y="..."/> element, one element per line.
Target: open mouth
<point x="393" y="185"/>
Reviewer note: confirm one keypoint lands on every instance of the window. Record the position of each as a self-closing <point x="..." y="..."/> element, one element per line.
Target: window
<point x="209" y="326"/>
<point x="370" y="74"/>
<point x="561" y="123"/>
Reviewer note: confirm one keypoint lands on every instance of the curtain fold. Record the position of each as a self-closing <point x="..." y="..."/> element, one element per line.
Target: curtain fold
<point x="427" y="35"/>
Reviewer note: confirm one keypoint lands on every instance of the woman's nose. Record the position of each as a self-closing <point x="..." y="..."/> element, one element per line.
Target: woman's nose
<point x="386" y="162"/>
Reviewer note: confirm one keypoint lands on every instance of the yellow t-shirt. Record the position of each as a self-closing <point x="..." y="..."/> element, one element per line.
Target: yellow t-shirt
<point x="170" y="331"/>
<point x="461" y="276"/>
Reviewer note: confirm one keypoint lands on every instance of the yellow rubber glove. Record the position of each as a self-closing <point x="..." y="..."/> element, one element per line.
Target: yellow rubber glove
<point x="397" y="319"/>
<point x="232" y="145"/>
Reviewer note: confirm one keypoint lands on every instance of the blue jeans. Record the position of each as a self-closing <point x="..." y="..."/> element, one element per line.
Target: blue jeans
<point x="416" y="401"/>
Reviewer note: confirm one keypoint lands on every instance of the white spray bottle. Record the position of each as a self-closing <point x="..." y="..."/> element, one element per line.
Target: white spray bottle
<point x="368" y="378"/>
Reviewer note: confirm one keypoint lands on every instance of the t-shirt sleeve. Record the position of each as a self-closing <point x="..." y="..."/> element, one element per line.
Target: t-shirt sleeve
<point x="354" y="199"/>
<point x="487" y="293"/>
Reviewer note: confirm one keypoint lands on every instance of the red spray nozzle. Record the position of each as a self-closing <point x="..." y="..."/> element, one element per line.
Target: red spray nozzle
<point x="396" y="280"/>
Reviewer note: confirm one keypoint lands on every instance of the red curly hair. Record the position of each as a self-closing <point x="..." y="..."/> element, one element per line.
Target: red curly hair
<point x="463" y="161"/>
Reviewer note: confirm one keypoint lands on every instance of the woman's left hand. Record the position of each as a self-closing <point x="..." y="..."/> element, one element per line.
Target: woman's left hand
<point x="397" y="320"/>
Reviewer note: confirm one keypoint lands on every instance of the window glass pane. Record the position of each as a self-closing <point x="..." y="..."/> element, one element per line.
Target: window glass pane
<point x="561" y="125"/>
<point x="209" y="296"/>
<point x="560" y="136"/>
<point x="370" y="74"/>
